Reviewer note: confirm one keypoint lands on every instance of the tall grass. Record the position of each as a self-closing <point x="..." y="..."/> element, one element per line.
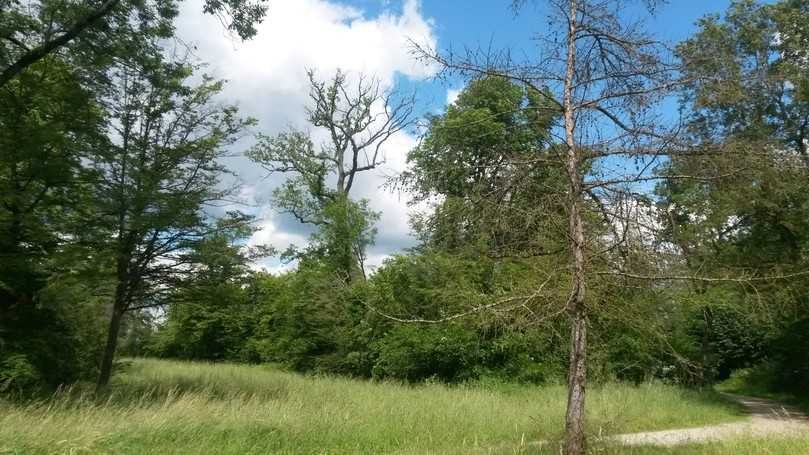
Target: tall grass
<point x="158" y="406"/>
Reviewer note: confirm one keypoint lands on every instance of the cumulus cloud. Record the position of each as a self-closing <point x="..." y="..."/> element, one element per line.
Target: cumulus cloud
<point x="267" y="80"/>
<point x="452" y="95"/>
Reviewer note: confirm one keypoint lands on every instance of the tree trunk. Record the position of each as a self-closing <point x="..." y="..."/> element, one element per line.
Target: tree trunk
<point x="707" y="334"/>
<point x="577" y="375"/>
<point x="577" y="381"/>
<point x="109" y="350"/>
<point x="118" y="309"/>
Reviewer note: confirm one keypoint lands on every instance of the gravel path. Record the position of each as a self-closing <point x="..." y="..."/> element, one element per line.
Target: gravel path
<point x="767" y="417"/>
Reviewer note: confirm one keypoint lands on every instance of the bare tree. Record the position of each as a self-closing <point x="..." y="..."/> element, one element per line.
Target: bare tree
<point x="604" y="75"/>
<point x="359" y="116"/>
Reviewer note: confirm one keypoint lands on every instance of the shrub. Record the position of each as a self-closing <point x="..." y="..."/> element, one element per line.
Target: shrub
<point x="17" y="374"/>
<point x="417" y="352"/>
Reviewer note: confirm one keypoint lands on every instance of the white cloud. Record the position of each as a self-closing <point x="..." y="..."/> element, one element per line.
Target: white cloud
<point x="452" y="95"/>
<point x="269" y="234"/>
<point x="267" y="80"/>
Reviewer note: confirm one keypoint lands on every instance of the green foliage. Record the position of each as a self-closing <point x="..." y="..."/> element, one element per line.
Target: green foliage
<point x="59" y="120"/>
<point x="32" y="25"/>
<point x="414" y="353"/>
<point x="59" y="337"/>
<point x="17" y="374"/>
<point x="48" y="124"/>
<point x="755" y="68"/>
<point x="213" y="315"/>
<point x="311" y="321"/>
<point x="344" y="237"/>
<point x="486" y="159"/>
<point x="746" y="214"/>
<point x="109" y="156"/>
<point x="790" y="359"/>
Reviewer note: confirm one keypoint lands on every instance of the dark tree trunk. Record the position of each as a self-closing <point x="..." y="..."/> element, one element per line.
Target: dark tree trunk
<point x="118" y="309"/>
<point x="707" y="334"/>
<point x="109" y="350"/>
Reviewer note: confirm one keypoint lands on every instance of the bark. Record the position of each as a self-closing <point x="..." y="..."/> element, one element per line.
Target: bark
<point x="112" y="342"/>
<point x="577" y="382"/>
<point x="707" y="334"/>
<point x="118" y="309"/>
<point x="574" y="443"/>
<point x="38" y="53"/>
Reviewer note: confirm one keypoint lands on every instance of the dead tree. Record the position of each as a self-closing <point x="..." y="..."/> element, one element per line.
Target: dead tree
<point x="604" y="76"/>
<point x="359" y="117"/>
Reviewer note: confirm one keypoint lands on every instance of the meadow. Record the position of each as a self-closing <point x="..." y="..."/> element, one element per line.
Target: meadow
<point x="160" y="406"/>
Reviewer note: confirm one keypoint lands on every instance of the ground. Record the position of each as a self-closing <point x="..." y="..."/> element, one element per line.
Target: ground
<point x="768" y="418"/>
<point x="166" y="407"/>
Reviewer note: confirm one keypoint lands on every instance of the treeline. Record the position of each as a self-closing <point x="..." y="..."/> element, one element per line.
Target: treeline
<point x="111" y="163"/>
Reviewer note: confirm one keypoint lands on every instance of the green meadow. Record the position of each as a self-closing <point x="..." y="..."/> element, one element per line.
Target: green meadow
<point x="168" y="407"/>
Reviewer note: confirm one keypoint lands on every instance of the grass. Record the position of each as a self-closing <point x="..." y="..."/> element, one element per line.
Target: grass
<point x="158" y="406"/>
<point x="777" y="445"/>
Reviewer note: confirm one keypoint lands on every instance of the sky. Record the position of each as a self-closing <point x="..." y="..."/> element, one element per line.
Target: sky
<point x="267" y="80"/>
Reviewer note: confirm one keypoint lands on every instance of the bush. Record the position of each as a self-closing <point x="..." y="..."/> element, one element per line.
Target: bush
<point x="17" y="374"/>
<point x="791" y="358"/>
<point x="53" y="341"/>
<point x="416" y="352"/>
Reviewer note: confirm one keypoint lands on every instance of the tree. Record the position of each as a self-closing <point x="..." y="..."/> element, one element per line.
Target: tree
<point x="487" y="161"/>
<point x="211" y="316"/>
<point x="603" y="76"/>
<point x="746" y="99"/>
<point x="48" y="124"/>
<point x="31" y="31"/>
<point x="359" y="121"/>
<point x="49" y="280"/>
<point x="749" y="75"/>
<point x="158" y="173"/>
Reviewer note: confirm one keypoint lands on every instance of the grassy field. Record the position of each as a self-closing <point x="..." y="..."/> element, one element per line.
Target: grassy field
<point x="165" y="407"/>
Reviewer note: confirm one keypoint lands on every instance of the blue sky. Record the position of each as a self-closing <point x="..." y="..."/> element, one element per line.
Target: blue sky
<point x="267" y="80"/>
<point x="481" y="22"/>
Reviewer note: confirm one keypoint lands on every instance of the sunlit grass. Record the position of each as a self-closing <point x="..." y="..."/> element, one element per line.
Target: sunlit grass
<point x="774" y="445"/>
<point x="158" y="406"/>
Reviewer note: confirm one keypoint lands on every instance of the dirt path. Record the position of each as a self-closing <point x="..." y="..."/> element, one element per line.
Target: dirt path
<point x="767" y="417"/>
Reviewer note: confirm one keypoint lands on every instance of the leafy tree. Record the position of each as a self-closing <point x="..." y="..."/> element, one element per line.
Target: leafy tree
<point x="212" y="316"/>
<point x="310" y="322"/>
<point x="602" y="75"/>
<point x="748" y="113"/>
<point x="749" y="78"/>
<point x="487" y="160"/>
<point x="30" y="31"/>
<point x="156" y="176"/>
<point x="48" y="124"/>
<point x="420" y="310"/>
